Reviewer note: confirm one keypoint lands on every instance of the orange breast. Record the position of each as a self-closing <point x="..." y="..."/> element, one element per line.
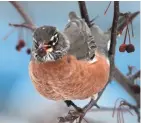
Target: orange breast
<point x="69" y="80"/>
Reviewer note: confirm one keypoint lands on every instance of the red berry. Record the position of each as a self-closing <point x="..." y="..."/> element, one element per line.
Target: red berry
<point x="18" y="48"/>
<point x="135" y="89"/>
<point x="21" y="43"/>
<point x="122" y="47"/>
<point x="28" y="51"/>
<point x="130" y="48"/>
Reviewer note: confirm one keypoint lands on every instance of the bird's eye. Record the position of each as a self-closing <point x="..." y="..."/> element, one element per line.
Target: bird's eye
<point x="54" y="39"/>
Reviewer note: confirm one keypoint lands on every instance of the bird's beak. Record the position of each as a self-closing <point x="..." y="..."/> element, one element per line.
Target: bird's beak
<point x="49" y="49"/>
<point x="46" y="48"/>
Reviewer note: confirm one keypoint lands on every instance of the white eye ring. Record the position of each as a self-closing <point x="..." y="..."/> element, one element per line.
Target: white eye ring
<point x="55" y="35"/>
<point x="52" y="38"/>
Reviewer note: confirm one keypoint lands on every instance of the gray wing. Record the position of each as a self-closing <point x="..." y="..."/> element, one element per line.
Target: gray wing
<point x="82" y="44"/>
<point x="102" y="39"/>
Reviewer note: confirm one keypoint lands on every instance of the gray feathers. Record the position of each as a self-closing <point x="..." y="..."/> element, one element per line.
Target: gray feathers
<point x="102" y="39"/>
<point x="44" y="33"/>
<point x="82" y="44"/>
<point x="72" y="15"/>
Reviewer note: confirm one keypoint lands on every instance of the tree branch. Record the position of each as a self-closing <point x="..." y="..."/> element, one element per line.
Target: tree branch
<point x="113" y="44"/>
<point x="23" y="25"/>
<point x="28" y="22"/>
<point x="21" y="12"/>
<point x="135" y="76"/>
<point x="83" y="12"/>
<point x="125" y="83"/>
<point x="130" y="70"/>
<point x="115" y="72"/>
<point x="114" y="29"/>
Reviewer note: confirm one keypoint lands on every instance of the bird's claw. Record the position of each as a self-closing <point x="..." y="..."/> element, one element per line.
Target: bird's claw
<point x="72" y="116"/>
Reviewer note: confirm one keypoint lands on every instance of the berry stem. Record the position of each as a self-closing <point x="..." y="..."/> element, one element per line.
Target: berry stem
<point x="125" y="35"/>
<point x="132" y="29"/>
<point x="129" y="35"/>
<point x="8" y="34"/>
<point x="107" y="8"/>
<point x="19" y="33"/>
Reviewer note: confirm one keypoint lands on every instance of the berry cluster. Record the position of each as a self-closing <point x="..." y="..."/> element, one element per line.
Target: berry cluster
<point x="127" y="47"/>
<point x="21" y="44"/>
<point x="28" y="51"/>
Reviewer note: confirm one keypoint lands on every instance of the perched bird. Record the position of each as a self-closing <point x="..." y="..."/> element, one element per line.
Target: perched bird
<point x="66" y="66"/>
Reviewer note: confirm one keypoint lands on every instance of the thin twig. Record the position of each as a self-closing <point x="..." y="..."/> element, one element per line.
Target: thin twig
<point x="132" y="29"/>
<point x="135" y="76"/>
<point x="107" y="8"/>
<point x="129" y="35"/>
<point x="8" y="34"/>
<point x="125" y="35"/>
<point x="104" y="109"/>
<point x="134" y="108"/>
<point x="130" y="70"/>
<point x="32" y="28"/>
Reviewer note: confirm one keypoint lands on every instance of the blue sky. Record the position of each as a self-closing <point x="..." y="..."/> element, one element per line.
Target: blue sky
<point x="16" y="90"/>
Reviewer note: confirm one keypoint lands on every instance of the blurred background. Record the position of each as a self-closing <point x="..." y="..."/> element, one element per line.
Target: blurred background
<point x="19" y="101"/>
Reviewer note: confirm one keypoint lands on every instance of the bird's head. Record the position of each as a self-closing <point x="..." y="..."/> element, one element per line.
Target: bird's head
<point x="49" y="44"/>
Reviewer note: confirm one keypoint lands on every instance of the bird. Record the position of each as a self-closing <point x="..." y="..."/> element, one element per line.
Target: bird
<point x="66" y="65"/>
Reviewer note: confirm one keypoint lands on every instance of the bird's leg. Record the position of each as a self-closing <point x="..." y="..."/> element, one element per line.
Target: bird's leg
<point x="72" y="116"/>
<point x="87" y="108"/>
<point x="71" y="103"/>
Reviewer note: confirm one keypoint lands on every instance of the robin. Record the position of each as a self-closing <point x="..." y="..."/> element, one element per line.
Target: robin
<point x="66" y="65"/>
